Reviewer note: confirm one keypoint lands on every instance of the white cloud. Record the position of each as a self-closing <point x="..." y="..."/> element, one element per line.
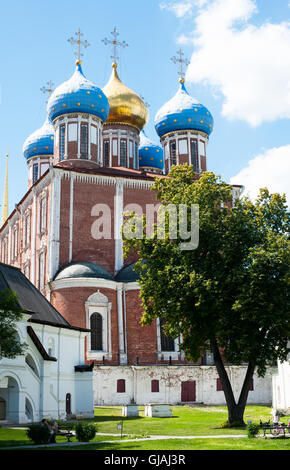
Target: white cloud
<point x="180" y="9"/>
<point x="270" y="169"/>
<point x="248" y="64"/>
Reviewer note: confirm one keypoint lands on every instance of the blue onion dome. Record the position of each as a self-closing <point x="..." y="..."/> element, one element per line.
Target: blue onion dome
<point x="183" y="112"/>
<point x="40" y="142"/>
<point x="78" y="95"/>
<point x="150" y="154"/>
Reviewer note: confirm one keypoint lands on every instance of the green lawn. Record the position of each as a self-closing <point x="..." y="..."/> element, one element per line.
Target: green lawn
<point x="186" y="421"/>
<point x="189" y="444"/>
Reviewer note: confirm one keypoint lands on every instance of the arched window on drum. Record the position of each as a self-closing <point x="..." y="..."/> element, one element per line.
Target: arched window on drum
<point x="96" y="326"/>
<point x="167" y="342"/>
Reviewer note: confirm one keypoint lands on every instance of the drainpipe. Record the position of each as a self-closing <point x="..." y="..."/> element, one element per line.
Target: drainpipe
<point x="58" y="372"/>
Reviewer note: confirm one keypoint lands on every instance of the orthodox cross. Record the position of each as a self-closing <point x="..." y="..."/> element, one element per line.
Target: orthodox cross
<point x="115" y="44"/>
<point x="48" y="90"/>
<point x="79" y="43"/>
<point x="181" y="61"/>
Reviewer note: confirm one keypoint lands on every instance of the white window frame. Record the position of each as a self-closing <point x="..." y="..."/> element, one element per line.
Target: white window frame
<point x="42" y="214"/>
<point x="98" y="303"/>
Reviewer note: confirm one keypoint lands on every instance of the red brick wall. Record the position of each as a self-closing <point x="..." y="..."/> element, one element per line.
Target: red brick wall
<point x="85" y="247"/>
<point x="141" y="340"/>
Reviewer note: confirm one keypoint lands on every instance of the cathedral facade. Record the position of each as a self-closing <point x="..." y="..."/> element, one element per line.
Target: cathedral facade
<point x="91" y="156"/>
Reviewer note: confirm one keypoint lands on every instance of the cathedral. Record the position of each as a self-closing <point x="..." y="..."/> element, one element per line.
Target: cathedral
<point x="92" y="152"/>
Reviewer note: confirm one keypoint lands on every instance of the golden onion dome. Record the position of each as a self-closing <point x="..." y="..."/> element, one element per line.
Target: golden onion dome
<point x="126" y="107"/>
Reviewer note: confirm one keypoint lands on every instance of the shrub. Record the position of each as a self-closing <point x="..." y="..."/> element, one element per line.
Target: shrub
<point x="234" y="424"/>
<point x="38" y="434"/>
<point x="85" y="432"/>
<point x="253" y="430"/>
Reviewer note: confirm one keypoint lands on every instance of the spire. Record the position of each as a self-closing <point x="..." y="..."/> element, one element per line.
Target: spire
<point x="181" y="61"/>
<point x="5" y="195"/>
<point x="79" y="43"/>
<point x="115" y="44"/>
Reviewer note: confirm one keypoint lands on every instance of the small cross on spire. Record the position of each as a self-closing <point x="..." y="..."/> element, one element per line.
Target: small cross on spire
<point x="115" y="44"/>
<point x="181" y="61"/>
<point x="48" y="89"/>
<point x="79" y="43"/>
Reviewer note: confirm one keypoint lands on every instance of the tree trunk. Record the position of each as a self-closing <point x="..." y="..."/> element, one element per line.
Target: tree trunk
<point x="235" y="410"/>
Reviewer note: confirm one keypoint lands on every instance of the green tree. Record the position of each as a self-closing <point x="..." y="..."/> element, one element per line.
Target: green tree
<point x="230" y="294"/>
<point x="10" y="313"/>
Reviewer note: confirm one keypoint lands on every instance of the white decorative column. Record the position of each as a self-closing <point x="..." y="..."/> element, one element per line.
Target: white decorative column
<point x="54" y="226"/>
<point x="118" y="222"/>
<point x="71" y="212"/>
<point x="66" y="137"/>
<point x="122" y="352"/>
<point x="79" y="137"/>
<point x="33" y="238"/>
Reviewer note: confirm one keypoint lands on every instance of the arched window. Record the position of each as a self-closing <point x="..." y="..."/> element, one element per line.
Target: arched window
<point x="96" y="326"/>
<point x="84" y="141"/>
<point x="30" y="362"/>
<point x="173" y="153"/>
<point x="68" y="403"/>
<point x="106" y="153"/>
<point x="194" y="155"/>
<point x="51" y="347"/>
<point x="28" y="410"/>
<point x="123" y="153"/>
<point x="167" y="343"/>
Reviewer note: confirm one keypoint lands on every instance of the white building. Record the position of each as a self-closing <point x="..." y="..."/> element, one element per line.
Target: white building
<point x="281" y="387"/>
<point x="50" y="379"/>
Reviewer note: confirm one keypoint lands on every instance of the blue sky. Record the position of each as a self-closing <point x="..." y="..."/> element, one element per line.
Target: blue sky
<point x="239" y="52"/>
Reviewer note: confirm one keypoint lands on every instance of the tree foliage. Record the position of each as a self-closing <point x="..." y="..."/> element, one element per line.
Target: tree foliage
<point x="232" y="292"/>
<point x="10" y="313"/>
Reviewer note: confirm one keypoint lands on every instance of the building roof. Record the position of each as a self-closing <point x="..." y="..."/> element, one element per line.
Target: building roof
<point x="126" y="106"/>
<point x="30" y="299"/>
<point x="127" y="274"/>
<point x="78" y="269"/>
<point x="183" y="112"/>
<point x="78" y="95"/>
<point x="150" y="154"/>
<point x="40" y="142"/>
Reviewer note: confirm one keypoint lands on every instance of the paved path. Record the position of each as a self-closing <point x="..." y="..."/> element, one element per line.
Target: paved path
<point x="151" y="438"/>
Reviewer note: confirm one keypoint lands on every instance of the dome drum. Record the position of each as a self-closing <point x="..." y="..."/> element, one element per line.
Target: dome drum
<point x="120" y="146"/>
<point x="78" y="138"/>
<point x="185" y="147"/>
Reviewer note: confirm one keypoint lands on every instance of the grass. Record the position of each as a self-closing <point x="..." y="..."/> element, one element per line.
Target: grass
<point x="188" y="444"/>
<point x="186" y="421"/>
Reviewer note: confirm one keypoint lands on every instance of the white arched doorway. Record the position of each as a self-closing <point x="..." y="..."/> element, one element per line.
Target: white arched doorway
<point x="9" y="399"/>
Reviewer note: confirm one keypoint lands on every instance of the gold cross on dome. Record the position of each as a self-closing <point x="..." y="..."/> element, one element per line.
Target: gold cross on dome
<point x="115" y="44"/>
<point x="181" y="61"/>
<point x="79" y="43"/>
